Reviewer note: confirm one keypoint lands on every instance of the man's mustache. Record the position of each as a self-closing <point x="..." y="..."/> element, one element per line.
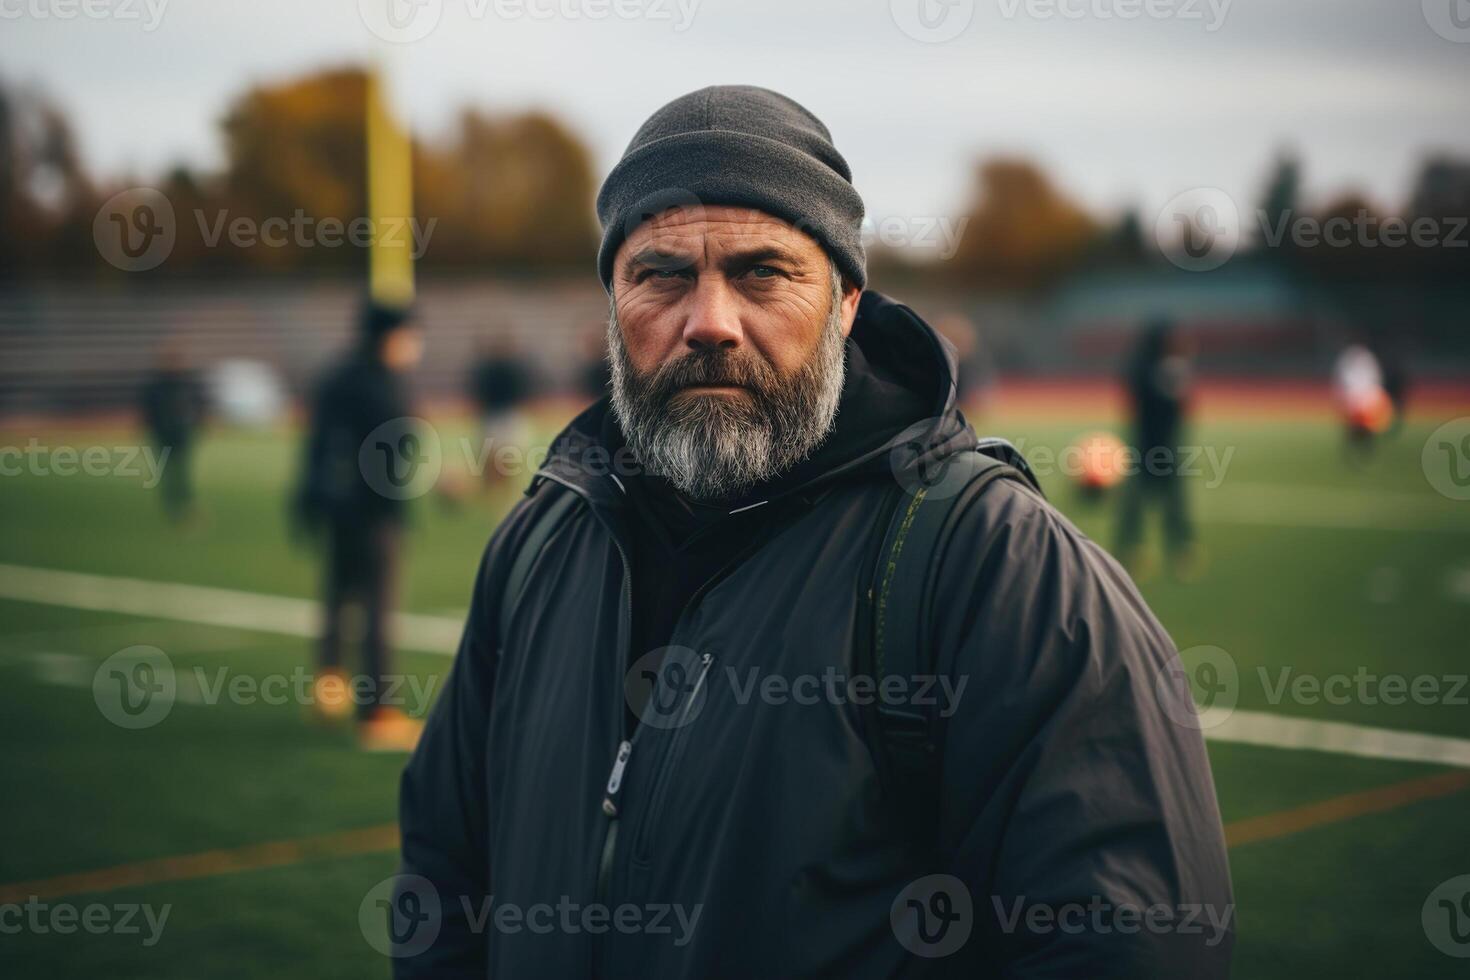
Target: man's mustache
<point x="712" y="367"/>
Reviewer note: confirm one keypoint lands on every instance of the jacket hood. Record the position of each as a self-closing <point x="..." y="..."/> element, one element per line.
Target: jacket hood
<point x="897" y="415"/>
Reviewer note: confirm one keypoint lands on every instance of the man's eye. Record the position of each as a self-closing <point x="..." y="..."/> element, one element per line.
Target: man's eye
<point x="663" y="274"/>
<point x="764" y="271"/>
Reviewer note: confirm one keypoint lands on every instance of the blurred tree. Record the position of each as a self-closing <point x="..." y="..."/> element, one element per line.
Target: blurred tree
<point x="292" y="148"/>
<point x="46" y="202"/>
<point x="1021" y="231"/>
<point x="1279" y="203"/>
<point x="514" y="192"/>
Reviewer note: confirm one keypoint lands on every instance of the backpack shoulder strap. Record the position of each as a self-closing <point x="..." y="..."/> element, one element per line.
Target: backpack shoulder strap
<point x="540" y="532"/>
<point x="907" y="750"/>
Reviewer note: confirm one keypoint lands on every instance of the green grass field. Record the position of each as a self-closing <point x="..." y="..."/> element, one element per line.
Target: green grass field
<point x="1313" y="566"/>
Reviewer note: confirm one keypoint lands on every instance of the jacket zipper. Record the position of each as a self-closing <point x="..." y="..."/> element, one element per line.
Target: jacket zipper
<point x="610" y="805"/>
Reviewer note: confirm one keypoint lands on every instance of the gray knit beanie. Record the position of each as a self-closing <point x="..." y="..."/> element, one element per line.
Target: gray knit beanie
<point x="738" y="145"/>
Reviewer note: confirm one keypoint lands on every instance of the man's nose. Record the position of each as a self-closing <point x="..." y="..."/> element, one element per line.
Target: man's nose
<point x="714" y="317"/>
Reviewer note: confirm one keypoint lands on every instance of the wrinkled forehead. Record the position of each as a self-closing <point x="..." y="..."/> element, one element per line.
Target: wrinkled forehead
<point x="699" y="233"/>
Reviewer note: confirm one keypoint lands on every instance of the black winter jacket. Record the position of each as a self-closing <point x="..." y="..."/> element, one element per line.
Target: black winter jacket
<point x="1076" y="830"/>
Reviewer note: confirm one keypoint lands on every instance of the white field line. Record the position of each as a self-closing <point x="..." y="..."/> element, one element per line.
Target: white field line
<point x="158" y="632"/>
<point x="1340" y="738"/>
<point x="283" y="615"/>
<point x="438" y="634"/>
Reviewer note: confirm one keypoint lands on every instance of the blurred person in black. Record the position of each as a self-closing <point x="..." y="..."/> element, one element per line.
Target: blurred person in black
<point x="1394" y="361"/>
<point x="1159" y="381"/>
<point x="172" y="406"/>
<point x="362" y="454"/>
<point x="976" y="381"/>
<point x="500" y="383"/>
<point x="596" y="375"/>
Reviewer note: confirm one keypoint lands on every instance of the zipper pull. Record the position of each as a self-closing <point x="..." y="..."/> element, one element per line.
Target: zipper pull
<point x="615" y="778"/>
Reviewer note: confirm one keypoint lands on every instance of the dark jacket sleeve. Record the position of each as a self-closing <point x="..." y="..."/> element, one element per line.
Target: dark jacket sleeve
<point x="1081" y="818"/>
<point x="443" y="798"/>
<point x="307" y="505"/>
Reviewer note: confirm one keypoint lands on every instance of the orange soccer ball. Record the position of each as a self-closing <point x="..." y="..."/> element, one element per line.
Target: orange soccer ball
<point x="1372" y="413"/>
<point x="1102" y="461"/>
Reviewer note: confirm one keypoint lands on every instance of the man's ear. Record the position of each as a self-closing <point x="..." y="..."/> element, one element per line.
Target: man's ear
<point x="850" y="295"/>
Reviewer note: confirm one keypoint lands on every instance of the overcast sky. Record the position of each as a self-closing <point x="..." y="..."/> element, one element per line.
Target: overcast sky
<point x="1121" y="110"/>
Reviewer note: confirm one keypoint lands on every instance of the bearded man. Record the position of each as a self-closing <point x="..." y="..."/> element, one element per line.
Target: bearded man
<point x="682" y="738"/>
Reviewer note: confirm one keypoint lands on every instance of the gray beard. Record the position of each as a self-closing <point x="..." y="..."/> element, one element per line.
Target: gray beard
<point x="714" y="447"/>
